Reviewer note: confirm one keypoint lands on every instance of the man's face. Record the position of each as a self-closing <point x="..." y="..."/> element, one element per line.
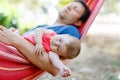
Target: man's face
<point x="72" y="12"/>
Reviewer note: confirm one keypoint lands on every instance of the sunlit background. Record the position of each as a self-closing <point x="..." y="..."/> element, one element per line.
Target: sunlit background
<point x="100" y="55"/>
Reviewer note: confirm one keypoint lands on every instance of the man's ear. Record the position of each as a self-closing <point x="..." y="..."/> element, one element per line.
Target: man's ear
<point x="78" y="23"/>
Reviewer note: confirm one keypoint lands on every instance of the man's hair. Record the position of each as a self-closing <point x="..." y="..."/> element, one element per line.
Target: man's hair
<point x="86" y="13"/>
<point x="73" y="47"/>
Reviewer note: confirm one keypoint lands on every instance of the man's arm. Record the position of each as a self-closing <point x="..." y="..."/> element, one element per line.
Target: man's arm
<point x="26" y="49"/>
<point x="42" y="61"/>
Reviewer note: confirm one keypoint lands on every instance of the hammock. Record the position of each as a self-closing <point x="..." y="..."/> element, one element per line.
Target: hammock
<point x="14" y="66"/>
<point x="94" y="6"/>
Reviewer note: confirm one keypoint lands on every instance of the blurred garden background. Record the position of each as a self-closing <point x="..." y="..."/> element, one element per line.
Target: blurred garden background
<point x="100" y="54"/>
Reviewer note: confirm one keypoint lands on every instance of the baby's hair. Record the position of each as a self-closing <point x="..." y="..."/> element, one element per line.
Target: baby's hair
<point x="73" y="48"/>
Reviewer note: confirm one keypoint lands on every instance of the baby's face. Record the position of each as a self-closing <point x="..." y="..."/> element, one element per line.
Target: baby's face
<point x="58" y="44"/>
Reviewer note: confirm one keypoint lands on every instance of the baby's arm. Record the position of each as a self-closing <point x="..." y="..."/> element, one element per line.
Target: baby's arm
<point x="39" y="49"/>
<point x="54" y="58"/>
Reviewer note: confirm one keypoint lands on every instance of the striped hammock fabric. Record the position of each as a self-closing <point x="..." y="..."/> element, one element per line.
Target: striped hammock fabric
<point x="14" y="66"/>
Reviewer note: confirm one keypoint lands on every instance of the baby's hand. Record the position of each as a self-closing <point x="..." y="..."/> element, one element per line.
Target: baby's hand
<point x="39" y="49"/>
<point x="65" y="71"/>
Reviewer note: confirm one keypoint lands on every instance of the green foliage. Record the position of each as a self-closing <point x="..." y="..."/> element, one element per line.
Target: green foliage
<point x="64" y="2"/>
<point x="24" y="26"/>
<point x="3" y="19"/>
<point x="8" y="15"/>
<point x="7" y="21"/>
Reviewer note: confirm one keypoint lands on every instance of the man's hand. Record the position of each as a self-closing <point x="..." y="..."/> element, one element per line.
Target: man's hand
<point x="7" y="36"/>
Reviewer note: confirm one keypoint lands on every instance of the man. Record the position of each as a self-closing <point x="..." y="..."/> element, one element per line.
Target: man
<point x="68" y="16"/>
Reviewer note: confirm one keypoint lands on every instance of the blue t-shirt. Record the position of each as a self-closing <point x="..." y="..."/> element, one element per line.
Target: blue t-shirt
<point x="61" y="29"/>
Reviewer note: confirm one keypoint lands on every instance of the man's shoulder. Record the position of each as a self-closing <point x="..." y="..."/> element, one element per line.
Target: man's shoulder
<point x="67" y="27"/>
<point x="70" y="27"/>
<point x="41" y="26"/>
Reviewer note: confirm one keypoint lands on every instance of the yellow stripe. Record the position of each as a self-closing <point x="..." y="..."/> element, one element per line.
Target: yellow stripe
<point x="14" y="69"/>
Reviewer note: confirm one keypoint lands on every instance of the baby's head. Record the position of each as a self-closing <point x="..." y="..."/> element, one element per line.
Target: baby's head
<point x="65" y="46"/>
<point x="73" y="47"/>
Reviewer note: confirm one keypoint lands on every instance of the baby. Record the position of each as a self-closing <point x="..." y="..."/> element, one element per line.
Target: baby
<point x="58" y="47"/>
